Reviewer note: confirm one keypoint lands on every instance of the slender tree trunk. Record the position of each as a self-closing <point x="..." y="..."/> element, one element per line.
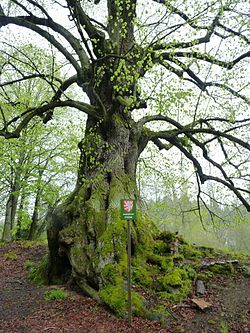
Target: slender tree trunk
<point x="35" y="217"/>
<point x="11" y="205"/>
<point x="10" y="212"/>
<point x="18" y="234"/>
<point x="6" y="235"/>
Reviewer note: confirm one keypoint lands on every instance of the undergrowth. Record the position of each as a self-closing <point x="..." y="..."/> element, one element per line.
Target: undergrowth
<point x="10" y="255"/>
<point x="38" y="272"/>
<point x="55" y="294"/>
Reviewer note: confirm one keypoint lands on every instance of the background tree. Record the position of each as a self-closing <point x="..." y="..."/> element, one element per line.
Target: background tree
<point x="127" y="64"/>
<point x="38" y="170"/>
<point x="29" y="164"/>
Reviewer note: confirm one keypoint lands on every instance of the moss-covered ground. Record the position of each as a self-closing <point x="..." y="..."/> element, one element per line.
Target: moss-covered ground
<point x="227" y="286"/>
<point x="163" y="274"/>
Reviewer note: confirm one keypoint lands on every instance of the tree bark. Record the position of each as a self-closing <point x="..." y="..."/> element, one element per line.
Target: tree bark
<point x="86" y="236"/>
<point x="10" y="212"/>
<point x="19" y="232"/>
<point x="35" y="217"/>
<point x="11" y="205"/>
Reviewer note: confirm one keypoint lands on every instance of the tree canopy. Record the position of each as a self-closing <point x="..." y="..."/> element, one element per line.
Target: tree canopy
<point x="162" y="72"/>
<point x="139" y="50"/>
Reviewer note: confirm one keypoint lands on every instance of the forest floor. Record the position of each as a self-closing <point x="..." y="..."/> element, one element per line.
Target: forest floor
<point x="23" y="307"/>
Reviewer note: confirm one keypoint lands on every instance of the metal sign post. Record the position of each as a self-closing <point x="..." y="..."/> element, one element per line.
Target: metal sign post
<point x="129" y="276"/>
<point x="128" y="213"/>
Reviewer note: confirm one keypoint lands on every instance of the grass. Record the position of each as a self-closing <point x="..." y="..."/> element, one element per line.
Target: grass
<point x="31" y="243"/>
<point x="10" y="255"/>
<point x="55" y="294"/>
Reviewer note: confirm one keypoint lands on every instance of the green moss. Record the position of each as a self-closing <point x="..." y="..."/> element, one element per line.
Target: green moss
<point x="166" y="236"/>
<point x="225" y="269"/>
<point x="114" y="238"/>
<point x="113" y="272"/>
<point x="77" y="255"/>
<point x="10" y="255"/>
<point x="177" y="258"/>
<point x="115" y="297"/>
<point x="164" y="263"/>
<point x="161" y="247"/>
<point x="139" y="305"/>
<point x="190" y="252"/>
<point x="68" y="234"/>
<point x="173" y="279"/>
<point x="209" y="252"/>
<point x="176" y="284"/>
<point x="161" y="313"/>
<point x="176" y="295"/>
<point x="142" y="276"/>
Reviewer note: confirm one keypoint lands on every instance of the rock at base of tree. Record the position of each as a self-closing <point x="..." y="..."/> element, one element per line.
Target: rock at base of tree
<point x="200" y="288"/>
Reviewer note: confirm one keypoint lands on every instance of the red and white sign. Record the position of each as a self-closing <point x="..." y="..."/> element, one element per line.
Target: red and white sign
<point x="128" y="209"/>
<point x="128" y="205"/>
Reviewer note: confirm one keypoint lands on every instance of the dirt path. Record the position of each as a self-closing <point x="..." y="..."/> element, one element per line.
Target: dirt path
<point x="23" y="308"/>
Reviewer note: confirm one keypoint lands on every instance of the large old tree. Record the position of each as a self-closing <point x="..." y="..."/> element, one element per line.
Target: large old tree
<point x="182" y="65"/>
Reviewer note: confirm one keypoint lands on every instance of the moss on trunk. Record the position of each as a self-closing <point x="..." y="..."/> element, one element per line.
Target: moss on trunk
<point x="88" y="239"/>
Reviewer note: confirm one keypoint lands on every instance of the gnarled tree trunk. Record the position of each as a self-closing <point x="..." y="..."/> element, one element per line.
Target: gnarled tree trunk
<point x="86" y="236"/>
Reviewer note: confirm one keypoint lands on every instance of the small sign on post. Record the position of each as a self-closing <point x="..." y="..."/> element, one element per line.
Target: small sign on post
<point x="128" y="212"/>
<point x="128" y="209"/>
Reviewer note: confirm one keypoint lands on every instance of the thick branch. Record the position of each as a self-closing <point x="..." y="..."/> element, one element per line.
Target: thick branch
<point x="64" y="86"/>
<point x="30" y="23"/>
<point x="189" y="129"/>
<point x="29" y="114"/>
<point x="96" y="36"/>
<point x="121" y="24"/>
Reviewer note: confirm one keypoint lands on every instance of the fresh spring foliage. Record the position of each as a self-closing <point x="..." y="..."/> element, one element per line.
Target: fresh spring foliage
<point x="163" y="75"/>
<point x="39" y="169"/>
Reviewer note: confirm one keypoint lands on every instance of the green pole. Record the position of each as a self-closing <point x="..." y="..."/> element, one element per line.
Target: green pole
<point x="129" y="276"/>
